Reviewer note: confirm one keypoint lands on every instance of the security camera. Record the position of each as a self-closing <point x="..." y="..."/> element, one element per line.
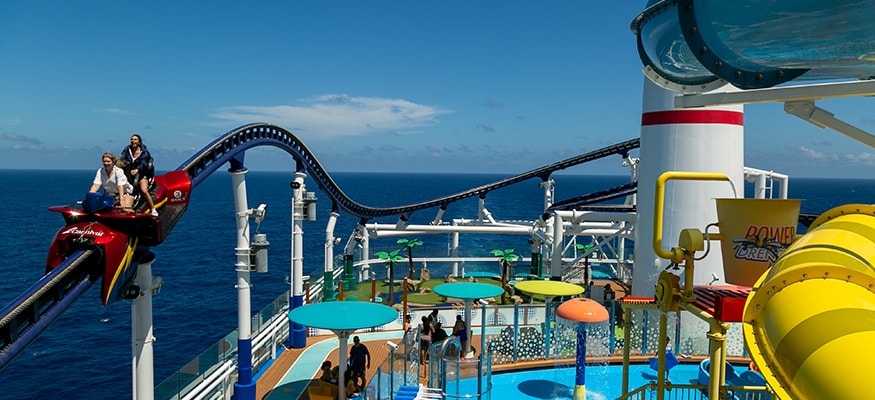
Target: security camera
<point x="259" y="213"/>
<point x="483" y="302"/>
<point x="392" y="345"/>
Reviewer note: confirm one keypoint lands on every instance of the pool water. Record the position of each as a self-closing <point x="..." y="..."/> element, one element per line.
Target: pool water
<point x="602" y="382"/>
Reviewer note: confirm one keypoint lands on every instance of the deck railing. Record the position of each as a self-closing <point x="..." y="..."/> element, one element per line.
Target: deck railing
<point x="514" y="332"/>
<point x="214" y="371"/>
<point x="211" y="375"/>
<point x="692" y="392"/>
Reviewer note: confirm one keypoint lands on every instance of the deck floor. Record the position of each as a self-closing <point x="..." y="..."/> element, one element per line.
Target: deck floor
<point x="379" y="353"/>
<point x="278" y="370"/>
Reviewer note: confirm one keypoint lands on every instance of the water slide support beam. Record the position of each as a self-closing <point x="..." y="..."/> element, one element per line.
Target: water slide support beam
<point x="807" y="111"/>
<point x="798" y="101"/>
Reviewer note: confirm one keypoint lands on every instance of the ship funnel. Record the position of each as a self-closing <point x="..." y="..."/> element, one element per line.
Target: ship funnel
<point x="755" y="232"/>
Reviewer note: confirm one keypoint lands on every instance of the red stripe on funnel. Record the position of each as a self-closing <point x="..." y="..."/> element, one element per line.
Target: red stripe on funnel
<point x="692" y="117"/>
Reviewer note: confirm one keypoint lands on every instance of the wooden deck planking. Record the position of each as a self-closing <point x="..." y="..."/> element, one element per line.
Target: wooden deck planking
<point x="377" y="348"/>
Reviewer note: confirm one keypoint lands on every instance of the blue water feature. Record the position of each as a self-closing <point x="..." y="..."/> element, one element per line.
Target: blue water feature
<point x="603" y="381"/>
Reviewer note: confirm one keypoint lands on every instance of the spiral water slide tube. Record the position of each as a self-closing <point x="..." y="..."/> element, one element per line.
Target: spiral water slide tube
<point x="810" y="320"/>
<point x="695" y="46"/>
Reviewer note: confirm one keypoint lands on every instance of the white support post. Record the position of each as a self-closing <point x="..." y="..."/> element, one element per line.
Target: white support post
<point x="328" y="277"/>
<point x="141" y="335"/>
<point x="558" y="242"/>
<point x="297" y="332"/>
<point x="244" y="389"/>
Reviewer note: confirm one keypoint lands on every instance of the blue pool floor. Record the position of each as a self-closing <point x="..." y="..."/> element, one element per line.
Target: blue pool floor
<point x="602" y="382"/>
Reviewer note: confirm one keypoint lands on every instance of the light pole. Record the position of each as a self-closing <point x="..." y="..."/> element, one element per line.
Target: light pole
<point x="483" y="305"/>
<point x="392" y="347"/>
<point x="297" y="332"/>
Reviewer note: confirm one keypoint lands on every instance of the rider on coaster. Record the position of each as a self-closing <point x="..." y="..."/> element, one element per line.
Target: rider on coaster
<point x="139" y="166"/>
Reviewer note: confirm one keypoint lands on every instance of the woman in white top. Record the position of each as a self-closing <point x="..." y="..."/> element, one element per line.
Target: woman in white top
<point x="114" y="182"/>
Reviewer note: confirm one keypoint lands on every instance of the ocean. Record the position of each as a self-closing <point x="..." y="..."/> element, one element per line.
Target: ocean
<point x="86" y="354"/>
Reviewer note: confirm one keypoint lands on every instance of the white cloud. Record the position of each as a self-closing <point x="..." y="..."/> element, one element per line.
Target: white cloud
<point x="337" y="115"/>
<point x="21" y="142"/>
<point x="811" y="153"/>
<point x="867" y="159"/>
<point x="118" y="111"/>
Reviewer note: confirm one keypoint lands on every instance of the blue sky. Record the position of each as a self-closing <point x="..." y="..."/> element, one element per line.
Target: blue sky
<point x="450" y="86"/>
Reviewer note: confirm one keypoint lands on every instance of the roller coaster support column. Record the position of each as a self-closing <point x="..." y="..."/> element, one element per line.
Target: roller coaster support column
<point x="454" y="252"/>
<point x="535" y="268"/>
<point x="349" y="281"/>
<point x="558" y="241"/>
<point x="141" y="331"/>
<point x="328" y="281"/>
<point x="297" y="332"/>
<point x="244" y="389"/>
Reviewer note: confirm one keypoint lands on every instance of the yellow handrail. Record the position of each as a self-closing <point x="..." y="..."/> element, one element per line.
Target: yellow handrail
<point x="675" y="255"/>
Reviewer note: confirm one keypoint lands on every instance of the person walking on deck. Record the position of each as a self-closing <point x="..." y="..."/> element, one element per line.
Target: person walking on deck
<point x="359" y="360"/>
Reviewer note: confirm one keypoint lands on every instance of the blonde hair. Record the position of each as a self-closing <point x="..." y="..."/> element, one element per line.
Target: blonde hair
<point x="112" y="157"/>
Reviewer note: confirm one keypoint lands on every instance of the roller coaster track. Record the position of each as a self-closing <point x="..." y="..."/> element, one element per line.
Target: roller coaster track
<point x="31" y="313"/>
<point x="230" y="147"/>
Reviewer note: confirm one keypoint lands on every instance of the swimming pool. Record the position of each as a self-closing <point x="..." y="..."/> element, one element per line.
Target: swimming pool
<point x="602" y="382"/>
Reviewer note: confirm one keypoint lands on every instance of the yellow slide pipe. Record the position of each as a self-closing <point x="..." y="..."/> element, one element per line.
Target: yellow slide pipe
<point x="809" y="321"/>
<point x="659" y="204"/>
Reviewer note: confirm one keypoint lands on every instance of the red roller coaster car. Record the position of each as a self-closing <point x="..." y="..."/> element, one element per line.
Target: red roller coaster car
<point x="121" y="239"/>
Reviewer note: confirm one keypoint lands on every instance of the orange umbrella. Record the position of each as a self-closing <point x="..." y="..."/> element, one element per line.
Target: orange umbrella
<point x="582" y="310"/>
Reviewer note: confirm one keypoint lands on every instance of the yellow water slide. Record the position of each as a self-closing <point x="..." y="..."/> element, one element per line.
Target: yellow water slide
<point x="809" y="321"/>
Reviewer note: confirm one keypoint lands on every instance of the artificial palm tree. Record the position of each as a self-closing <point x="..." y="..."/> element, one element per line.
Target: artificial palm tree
<point x="390" y="260"/>
<point x="505" y="257"/>
<point x="587" y="270"/>
<point x="409" y="245"/>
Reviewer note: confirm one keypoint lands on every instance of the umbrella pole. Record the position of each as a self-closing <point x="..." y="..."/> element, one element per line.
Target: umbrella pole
<point x="343" y="349"/>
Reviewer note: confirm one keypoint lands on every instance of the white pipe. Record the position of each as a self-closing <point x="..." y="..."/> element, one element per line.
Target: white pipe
<point x="438" y="216"/>
<point x="600" y="216"/>
<point x="455" y="253"/>
<point x="329" y="241"/>
<point x="297" y="333"/>
<point x="142" y="339"/>
<point x="366" y="246"/>
<point x="222" y="372"/>
<point x="244" y="355"/>
<point x="556" y="254"/>
<point x="548" y="186"/>
<point x="759" y="174"/>
<point x="387" y="229"/>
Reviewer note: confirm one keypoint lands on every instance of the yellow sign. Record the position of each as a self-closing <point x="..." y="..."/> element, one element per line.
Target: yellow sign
<point x="755" y="233"/>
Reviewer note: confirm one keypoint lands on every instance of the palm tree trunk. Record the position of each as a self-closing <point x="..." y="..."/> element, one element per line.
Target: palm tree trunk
<point x="504" y="269"/>
<point x="410" y="260"/>
<point x="391" y="282"/>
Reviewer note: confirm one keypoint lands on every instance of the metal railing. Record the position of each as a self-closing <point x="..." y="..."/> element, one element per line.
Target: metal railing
<point x="211" y="375"/>
<point x="691" y="392"/>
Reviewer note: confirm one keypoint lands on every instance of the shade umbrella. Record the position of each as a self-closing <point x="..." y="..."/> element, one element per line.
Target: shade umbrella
<point x="583" y="311"/>
<point x="343" y="318"/>
<point x="468" y="292"/>
<point x="549" y="290"/>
